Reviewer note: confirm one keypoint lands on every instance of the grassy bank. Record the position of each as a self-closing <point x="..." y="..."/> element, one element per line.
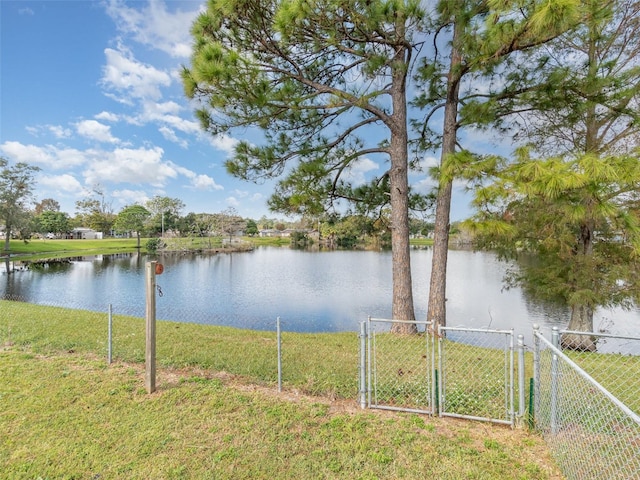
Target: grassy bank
<point x="67" y="414"/>
<point x="45" y="248"/>
<point x="62" y="248"/>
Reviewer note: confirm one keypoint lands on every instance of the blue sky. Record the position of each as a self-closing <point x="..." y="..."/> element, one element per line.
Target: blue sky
<point x="90" y="93"/>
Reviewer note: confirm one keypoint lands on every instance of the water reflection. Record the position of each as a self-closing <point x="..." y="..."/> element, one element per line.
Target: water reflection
<point x="310" y="291"/>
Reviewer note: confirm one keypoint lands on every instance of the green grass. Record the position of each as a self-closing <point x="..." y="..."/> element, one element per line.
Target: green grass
<point x="62" y="248"/>
<point x="421" y="242"/>
<point x="45" y="248"/>
<point x="66" y="414"/>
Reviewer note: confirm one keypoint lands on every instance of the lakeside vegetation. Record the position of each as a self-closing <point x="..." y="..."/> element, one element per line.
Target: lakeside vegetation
<point x="45" y="248"/>
<point x="68" y="414"/>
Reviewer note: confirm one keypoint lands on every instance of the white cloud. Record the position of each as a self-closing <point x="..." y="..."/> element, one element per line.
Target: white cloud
<point x="62" y="184"/>
<point x="167" y="113"/>
<point x="155" y="26"/>
<point x="427" y="163"/>
<point x="47" y="155"/>
<point x="170" y="135"/>
<point x="205" y="182"/>
<point x="158" y="109"/>
<point x="241" y="193"/>
<point x="222" y="142"/>
<point x="59" y="131"/>
<point x="107" y="117"/>
<point x="126" y="78"/>
<point x="129" y="197"/>
<point x="232" y="202"/>
<point x="357" y="172"/>
<point x="199" y="182"/>
<point x="135" y="166"/>
<point x="426" y="182"/>
<point x="94" y="130"/>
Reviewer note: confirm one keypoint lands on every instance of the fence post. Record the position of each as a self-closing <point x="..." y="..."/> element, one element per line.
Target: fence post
<point x="536" y="374"/>
<point x="434" y="369"/>
<point x="279" y="340"/>
<point x="555" y="340"/>
<point x="369" y="382"/>
<point x="521" y="399"/>
<point x="512" y="403"/>
<point x="439" y="381"/>
<point x="110" y="336"/>
<point x="363" y="365"/>
<point x="150" y="333"/>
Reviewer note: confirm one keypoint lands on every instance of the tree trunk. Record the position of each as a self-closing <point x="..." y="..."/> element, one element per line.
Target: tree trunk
<point x="437" y="309"/>
<point x="582" y="315"/>
<point x="7" y="238"/>
<point x="581" y="321"/>
<point x="402" y="308"/>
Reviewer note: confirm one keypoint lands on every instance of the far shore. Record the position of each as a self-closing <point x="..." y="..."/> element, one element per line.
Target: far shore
<point x="38" y="249"/>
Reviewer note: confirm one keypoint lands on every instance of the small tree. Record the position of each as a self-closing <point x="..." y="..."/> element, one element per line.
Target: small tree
<point x="16" y="187"/>
<point x="132" y="219"/>
<point x="228" y="223"/>
<point x="251" y="228"/>
<point x="165" y="212"/>
<point x="580" y="220"/>
<point x="54" y="222"/>
<point x="47" y="205"/>
<point x="95" y="211"/>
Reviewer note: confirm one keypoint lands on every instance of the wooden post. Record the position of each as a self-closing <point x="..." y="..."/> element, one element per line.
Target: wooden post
<point x="150" y="352"/>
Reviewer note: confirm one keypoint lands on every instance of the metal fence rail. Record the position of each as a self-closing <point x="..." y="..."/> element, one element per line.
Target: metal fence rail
<point x="591" y="433"/>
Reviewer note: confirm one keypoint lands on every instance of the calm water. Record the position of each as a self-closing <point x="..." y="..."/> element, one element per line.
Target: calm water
<point x="309" y="291"/>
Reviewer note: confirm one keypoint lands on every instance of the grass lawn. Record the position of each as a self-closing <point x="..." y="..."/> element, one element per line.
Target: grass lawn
<point x="63" y="248"/>
<point x="65" y="413"/>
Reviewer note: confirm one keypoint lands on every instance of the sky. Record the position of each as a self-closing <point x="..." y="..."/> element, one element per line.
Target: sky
<point x="90" y="93"/>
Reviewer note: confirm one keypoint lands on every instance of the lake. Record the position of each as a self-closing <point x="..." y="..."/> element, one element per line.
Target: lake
<point x="311" y="291"/>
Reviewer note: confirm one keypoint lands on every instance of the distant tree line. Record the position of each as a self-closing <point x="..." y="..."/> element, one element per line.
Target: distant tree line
<point x="162" y="216"/>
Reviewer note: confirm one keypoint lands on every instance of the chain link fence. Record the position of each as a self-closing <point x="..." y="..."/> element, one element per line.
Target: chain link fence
<point x="592" y="434"/>
<point x="252" y="349"/>
<point x="617" y="370"/>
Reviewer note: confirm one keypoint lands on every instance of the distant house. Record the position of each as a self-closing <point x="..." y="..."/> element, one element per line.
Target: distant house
<point x="269" y="232"/>
<point x="280" y="233"/>
<point x="85" y="234"/>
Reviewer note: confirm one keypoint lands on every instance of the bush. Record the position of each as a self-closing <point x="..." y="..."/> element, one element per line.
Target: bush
<point x="154" y="244"/>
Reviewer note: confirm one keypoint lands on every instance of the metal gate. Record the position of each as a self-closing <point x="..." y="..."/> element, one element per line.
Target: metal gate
<point x="457" y="372"/>
<point x="476" y="374"/>
<point x="399" y="367"/>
